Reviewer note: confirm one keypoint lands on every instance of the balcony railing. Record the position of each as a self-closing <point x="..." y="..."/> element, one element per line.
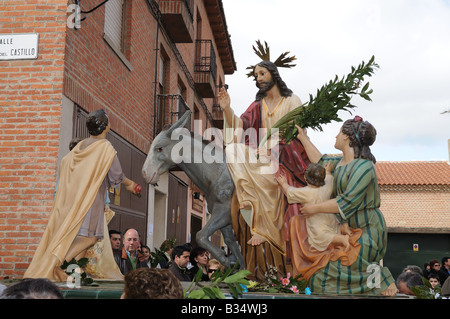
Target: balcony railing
<point x="205" y="68"/>
<point x="170" y="108"/>
<point x="205" y="57"/>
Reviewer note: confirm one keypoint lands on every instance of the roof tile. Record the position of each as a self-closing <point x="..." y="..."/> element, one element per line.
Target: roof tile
<point x="413" y="173"/>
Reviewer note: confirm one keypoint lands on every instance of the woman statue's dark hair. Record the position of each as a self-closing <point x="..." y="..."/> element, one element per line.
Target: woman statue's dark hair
<point x="362" y="134"/>
<point x="272" y="68"/>
<point x="97" y="122"/>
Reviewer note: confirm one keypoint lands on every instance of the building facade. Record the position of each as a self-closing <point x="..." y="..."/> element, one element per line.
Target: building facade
<point x="145" y="62"/>
<point x="415" y="201"/>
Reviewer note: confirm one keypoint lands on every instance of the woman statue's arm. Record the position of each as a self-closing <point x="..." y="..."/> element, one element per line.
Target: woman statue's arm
<point x="330" y="206"/>
<point x="311" y="150"/>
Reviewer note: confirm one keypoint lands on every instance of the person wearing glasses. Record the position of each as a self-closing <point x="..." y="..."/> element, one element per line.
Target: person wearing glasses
<point x="213" y="266"/>
<point x="441" y="271"/>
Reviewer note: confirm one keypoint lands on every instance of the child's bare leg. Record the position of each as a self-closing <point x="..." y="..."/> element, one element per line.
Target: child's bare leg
<point x="345" y="230"/>
<point x="342" y="240"/>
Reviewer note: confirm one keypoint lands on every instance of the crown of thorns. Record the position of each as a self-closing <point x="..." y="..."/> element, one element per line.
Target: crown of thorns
<point x="263" y="52"/>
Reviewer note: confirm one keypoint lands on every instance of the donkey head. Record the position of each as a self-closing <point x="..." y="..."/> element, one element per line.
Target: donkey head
<point x="159" y="158"/>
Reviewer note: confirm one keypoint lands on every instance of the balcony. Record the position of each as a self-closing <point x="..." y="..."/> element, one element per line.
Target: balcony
<point x="205" y="68"/>
<point x="178" y="19"/>
<point x="170" y="108"/>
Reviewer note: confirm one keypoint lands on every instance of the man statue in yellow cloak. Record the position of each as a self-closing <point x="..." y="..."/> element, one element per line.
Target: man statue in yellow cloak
<point x="77" y="220"/>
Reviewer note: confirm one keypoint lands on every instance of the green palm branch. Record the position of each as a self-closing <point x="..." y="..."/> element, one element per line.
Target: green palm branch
<point x="331" y="98"/>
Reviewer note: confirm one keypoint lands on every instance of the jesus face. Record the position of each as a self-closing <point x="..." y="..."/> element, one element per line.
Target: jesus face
<point x="264" y="80"/>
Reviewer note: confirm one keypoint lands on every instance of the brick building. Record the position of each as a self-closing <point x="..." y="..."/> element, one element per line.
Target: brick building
<point x="144" y="62"/>
<point x="415" y="201"/>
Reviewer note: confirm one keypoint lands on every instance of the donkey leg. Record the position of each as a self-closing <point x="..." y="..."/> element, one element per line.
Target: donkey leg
<point x="231" y="242"/>
<point x="202" y="238"/>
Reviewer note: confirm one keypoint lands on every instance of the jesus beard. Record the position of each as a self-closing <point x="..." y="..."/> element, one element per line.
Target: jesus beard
<point x="265" y="86"/>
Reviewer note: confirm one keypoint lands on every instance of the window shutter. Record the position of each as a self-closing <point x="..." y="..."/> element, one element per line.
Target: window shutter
<point x="113" y="22"/>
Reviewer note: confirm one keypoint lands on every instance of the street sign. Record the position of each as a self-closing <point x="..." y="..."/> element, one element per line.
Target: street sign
<point x="22" y="46"/>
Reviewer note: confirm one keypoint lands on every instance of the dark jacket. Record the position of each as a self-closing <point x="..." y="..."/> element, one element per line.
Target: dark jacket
<point x="181" y="274"/>
<point x="124" y="263"/>
<point x="194" y="271"/>
<point x="443" y="274"/>
<point x="164" y="262"/>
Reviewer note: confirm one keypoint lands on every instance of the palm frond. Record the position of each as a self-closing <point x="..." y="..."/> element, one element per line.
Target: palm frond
<point x="323" y="108"/>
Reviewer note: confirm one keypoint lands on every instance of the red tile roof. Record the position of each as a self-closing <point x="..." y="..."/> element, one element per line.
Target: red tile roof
<point x="413" y="173"/>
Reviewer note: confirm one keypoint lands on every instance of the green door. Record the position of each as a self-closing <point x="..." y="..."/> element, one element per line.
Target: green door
<point x="414" y="249"/>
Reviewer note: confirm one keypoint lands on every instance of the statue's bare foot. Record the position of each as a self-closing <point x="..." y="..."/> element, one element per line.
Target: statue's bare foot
<point x="245" y="205"/>
<point x="390" y="291"/>
<point x="256" y="240"/>
<point x="60" y="274"/>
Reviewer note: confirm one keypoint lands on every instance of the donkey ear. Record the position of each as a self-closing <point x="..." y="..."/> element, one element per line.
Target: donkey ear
<point x="180" y="123"/>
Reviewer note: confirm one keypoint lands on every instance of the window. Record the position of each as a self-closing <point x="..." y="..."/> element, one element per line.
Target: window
<point x="114" y="28"/>
<point x="114" y="22"/>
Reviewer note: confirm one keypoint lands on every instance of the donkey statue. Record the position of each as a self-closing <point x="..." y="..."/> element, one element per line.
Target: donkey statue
<point x="211" y="176"/>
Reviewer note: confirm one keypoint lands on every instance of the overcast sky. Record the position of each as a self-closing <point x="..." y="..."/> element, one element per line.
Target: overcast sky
<point x="410" y="40"/>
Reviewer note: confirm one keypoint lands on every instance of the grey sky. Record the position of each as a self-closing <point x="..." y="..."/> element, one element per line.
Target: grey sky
<point x="409" y="38"/>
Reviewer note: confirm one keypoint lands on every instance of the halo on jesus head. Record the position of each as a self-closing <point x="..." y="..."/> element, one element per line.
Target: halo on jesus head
<point x="263" y="52"/>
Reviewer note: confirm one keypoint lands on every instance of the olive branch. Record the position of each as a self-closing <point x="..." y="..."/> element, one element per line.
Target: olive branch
<point x="331" y="98"/>
<point x="232" y="280"/>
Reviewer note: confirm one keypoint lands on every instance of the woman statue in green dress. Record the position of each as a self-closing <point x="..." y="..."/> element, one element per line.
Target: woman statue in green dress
<point x="356" y="202"/>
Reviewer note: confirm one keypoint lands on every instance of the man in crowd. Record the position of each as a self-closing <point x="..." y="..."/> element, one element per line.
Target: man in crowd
<point x="129" y="257"/>
<point x="114" y="237"/>
<point x="180" y="260"/>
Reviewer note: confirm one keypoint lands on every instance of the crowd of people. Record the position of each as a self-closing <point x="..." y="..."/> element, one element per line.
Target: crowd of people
<point x="437" y="273"/>
<point x="141" y="280"/>
<point x="183" y="261"/>
<point x="145" y="277"/>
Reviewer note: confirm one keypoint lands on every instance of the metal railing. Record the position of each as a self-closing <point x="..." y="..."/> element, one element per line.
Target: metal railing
<point x="170" y="108"/>
<point x="153" y="6"/>
<point x="205" y="57"/>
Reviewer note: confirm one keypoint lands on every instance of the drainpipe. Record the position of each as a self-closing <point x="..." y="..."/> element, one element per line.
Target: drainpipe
<point x="155" y="97"/>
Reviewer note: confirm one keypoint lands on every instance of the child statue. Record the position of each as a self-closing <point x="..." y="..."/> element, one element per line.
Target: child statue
<point x="323" y="229"/>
